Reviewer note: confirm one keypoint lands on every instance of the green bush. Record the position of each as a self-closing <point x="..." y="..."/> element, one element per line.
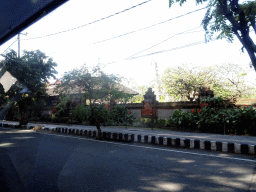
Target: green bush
<point x="179" y="119"/>
<point x="160" y="123"/>
<point x="100" y="114"/>
<point x="34" y="119"/>
<point x="45" y="118"/>
<point x="81" y="113"/>
<point x="146" y="122"/>
<point x="120" y="116"/>
<point x="236" y="121"/>
<point x="62" y="109"/>
<point x="217" y="102"/>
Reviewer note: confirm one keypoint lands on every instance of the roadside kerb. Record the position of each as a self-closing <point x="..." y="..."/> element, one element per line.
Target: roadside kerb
<point x="157" y="140"/>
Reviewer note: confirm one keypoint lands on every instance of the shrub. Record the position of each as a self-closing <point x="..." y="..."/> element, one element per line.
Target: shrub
<point x="64" y="120"/>
<point x="100" y="114"/>
<point x="62" y="108"/>
<point x="146" y="122"/>
<point x="160" y="123"/>
<point x="45" y="118"/>
<point x="180" y="119"/>
<point x="120" y="116"/>
<point x="213" y="120"/>
<point x="81" y="113"/>
<point x="217" y="102"/>
<point x="34" y="119"/>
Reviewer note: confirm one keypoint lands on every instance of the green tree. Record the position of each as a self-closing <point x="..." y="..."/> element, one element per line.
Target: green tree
<point x="97" y="87"/>
<point x="81" y="113"/>
<point x="230" y="18"/>
<point x="62" y="109"/>
<point x="120" y="116"/>
<point x="232" y="78"/>
<point x="139" y="98"/>
<point x="225" y="80"/>
<point x="32" y="71"/>
<point x="183" y="83"/>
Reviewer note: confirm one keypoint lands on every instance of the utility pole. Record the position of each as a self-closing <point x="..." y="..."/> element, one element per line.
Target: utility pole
<point x="159" y="92"/>
<point x="19" y="42"/>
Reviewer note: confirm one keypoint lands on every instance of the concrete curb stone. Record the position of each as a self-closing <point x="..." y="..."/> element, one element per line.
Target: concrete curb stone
<point x="226" y="147"/>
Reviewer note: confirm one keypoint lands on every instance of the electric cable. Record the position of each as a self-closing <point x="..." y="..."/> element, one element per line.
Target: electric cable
<point x="8" y="47"/>
<point x="164" y="51"/>
<point x="90" y="22"/>
<point x="128" y="33"/>
<point x="184" y="32"/>
<point x="173" y="49"/>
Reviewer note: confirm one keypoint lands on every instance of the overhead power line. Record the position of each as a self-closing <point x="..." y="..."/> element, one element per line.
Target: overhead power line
<point x="9" y="47"/>
<point x="128" y="33"/>
<point x="164" y="51"/>
<point x="184" y="32"/>
<point x="173" y="49"/>
<point x="90" y="22"/>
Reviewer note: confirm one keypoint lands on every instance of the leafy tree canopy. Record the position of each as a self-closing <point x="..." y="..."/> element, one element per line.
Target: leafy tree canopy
<point x="139" y="98"/>
<point x="182" y="82"/>
<point x="33" y="69"/>
<point x="93" y="83"/>
<point x="230" y="18"/>
<point x="96" y="86"/>
<point x="226" y="80"/>
<point x="233" y="77"/>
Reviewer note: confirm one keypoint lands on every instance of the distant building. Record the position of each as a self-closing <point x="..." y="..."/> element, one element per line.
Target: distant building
<point x="53" y="98"/>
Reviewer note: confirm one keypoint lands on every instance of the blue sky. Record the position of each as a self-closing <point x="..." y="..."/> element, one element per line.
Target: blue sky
<point x="73" y="48"/>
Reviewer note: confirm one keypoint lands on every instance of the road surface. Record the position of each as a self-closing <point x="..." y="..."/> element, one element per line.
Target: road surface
<point x="34" y="161"/>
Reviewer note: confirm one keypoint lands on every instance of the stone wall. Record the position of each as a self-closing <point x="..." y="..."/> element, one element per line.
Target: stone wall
<point x="163" y="110"/>
<point x="166" y="113"/>
<point x="151" y="107"/>
<point x="136" y="113"/>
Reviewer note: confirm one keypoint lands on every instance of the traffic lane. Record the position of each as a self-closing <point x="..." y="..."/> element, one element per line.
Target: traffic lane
<point x="37" y="158"/>
<point x="66" y="163"/>
<point x="109" y="166"/>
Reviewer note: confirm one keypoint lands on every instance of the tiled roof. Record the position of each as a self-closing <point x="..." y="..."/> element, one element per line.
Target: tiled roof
<point x="51" y="89"/>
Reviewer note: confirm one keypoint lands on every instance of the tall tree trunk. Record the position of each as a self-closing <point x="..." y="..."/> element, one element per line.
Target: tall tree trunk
<point x="242" y="26"/>
<point x="99" y="131"/>
<point x="252" y="56"/>
<point x="23" y="121"/>
<point x="97" y="123"/>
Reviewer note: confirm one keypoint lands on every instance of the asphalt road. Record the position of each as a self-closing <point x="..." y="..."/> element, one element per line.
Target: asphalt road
<point x="33" y="161"/>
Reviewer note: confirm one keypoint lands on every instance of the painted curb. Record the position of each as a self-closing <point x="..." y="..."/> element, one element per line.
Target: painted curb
<point x="225" y="147"/>
<point x="165" y="141"/>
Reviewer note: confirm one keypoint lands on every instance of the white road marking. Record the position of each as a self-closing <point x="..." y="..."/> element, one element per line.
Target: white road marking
<point x="154" y="148"/>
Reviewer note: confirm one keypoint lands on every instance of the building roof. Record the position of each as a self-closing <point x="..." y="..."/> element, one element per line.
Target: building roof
<point x="51" y="89"/>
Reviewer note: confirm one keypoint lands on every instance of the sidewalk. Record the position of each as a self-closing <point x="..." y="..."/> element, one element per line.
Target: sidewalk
<point x="204" y="141"/>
